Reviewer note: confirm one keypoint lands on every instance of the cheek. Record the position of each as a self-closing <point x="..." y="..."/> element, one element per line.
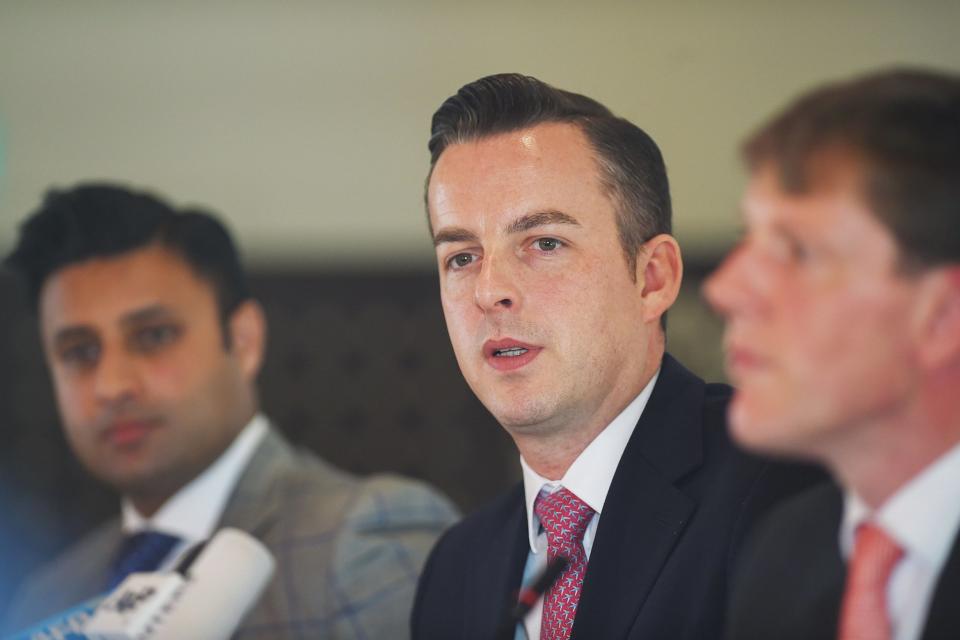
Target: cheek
<point x="459" y="315"/>
<point x="75" y="400"/>
<point x="169" y="377"/>
<point x="181" y="375"/>
<point x="846" y="336"/>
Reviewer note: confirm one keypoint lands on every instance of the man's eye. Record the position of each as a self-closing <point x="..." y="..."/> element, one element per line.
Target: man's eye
<point x="150" y="338"/>
<point x="81" y="355"/>
<point x="547" y="244"/>
<point x="460" y="260"/>
<point x="795" y="252"/>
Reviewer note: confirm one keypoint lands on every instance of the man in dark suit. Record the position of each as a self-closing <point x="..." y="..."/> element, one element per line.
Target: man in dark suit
<point x="843" y="337"/>
<point x="154" y="343"/>
<point x="551" y="221"/>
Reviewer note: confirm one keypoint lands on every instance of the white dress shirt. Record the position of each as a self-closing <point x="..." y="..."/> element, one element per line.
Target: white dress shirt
<point x="194" y="511"/>
<point x="589" y="479"/>
<point x="923" y="517"/>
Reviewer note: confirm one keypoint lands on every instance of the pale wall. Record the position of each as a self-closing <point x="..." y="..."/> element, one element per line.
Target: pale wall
<point x="305" y="123"/>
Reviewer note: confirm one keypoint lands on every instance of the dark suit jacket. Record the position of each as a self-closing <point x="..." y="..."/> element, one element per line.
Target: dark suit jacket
<point x="677" y="507"/>
<point x="790" y="583"/>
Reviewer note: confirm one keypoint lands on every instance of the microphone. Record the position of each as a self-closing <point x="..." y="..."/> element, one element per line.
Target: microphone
<point x="217" y="586"/>
<point x="528" y="596"/>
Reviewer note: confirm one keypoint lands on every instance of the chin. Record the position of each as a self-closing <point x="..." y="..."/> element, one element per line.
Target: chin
<point x="751" y="427"/>
<point x="521" y="416"/>
<point x="770" y="433"/>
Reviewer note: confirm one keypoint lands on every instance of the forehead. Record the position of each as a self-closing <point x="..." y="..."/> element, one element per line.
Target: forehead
<point x="831" y="211"/>
<point x="551" y="165"/>
<point x="103" y="289"/>
<point x="833" y="192"/>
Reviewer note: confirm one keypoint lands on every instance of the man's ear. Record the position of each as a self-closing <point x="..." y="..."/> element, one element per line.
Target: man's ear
<point x="248" y="336"/>
<point x="659" y="273"/>
<point x="939" y="318"/>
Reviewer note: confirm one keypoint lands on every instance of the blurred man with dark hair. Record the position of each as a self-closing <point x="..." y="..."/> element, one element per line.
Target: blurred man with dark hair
<point x="551" y="221"/>
<point x="154" y="343"/>
<point x="843" y="337"/>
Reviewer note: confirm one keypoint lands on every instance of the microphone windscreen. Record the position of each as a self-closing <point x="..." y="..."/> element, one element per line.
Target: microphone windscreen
<point x="223" y="584"/>
<point x="209" y="601"/>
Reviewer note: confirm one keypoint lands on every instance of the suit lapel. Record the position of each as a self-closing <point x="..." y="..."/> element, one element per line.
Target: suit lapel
<point x="250" y="507"/>
<point x="644" y="513"/>
<point x="943" y="620"/>
<point x="498" y="571"/>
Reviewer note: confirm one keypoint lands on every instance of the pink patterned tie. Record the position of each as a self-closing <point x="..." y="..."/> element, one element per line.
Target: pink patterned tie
<point x="564" y="518"/>
<point x="863" y="614"/>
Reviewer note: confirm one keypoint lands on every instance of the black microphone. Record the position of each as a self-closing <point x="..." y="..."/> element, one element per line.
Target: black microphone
<point x="528" y="597"/>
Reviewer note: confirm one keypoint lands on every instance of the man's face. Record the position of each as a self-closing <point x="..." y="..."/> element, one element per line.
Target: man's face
<point x="147" y="391"/>
<point x="544" y="315"/>
<point x="818" y="316"/>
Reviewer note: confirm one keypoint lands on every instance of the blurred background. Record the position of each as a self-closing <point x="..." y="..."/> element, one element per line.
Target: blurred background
<point x="304" y="125"/>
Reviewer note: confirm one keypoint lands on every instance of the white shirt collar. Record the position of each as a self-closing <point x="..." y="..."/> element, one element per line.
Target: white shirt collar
<point x="922" y="516"/>
<point x="193" y="512"/>
<point x="590" y="475"/>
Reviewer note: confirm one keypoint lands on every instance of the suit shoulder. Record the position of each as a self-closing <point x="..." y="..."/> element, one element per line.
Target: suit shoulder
<point x="349" y="549"/>
<point x="807" y="524"/>
<point x="76" y="574"/>
<point x="810" y="512"/>
<point x="473" y="532"/>
<point x="483" y="523"/>
<point x="717" y="390"/>
<point x="76" y="559"/>
<point x="790" y="575"/>
<point x="386" y="501"/>
<point x="310" y="489"/>
<point x="452" y="566"/>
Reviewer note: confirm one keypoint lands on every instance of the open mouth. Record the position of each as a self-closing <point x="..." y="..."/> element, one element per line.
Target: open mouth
<point x="509" y="352"/>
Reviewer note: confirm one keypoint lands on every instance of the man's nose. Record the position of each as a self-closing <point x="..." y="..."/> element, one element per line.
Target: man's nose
<point x="497" y="288"/>
<point x="117" y="377"/>
<point x="728" y="289"/>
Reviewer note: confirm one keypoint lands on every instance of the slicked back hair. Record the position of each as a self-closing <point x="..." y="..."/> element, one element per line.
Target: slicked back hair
<point x="630" y="164"/>
<point x="100" y="220"/>
<point x="902" y="127"/>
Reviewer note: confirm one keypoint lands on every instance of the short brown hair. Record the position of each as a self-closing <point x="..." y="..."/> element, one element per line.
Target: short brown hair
<point x="903" y="127"/>
<point x="631" y="165"/>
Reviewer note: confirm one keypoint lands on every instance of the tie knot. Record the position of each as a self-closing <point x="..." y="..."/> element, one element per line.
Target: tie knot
<point x="564" y="517"/>
<point x="143" y="551"/>
<point x="864" y="613"/>
<point x="875" y="554"/>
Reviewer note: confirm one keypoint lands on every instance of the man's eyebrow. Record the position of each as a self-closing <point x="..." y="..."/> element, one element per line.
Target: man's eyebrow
<point x="453" y="234"/>
<point x="73" y="334"/>
<point x="148" y="314"/>
<point x="540" y="219"/>
<point x="521" y="224"/>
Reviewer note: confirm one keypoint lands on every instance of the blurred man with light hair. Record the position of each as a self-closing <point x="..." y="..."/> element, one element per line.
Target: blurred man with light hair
<point x="842" y="305"/>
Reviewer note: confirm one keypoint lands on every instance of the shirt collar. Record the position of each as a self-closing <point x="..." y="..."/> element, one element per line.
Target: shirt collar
<point x="922" y="516"/>
<point x="590" y="475"/>
<point x="193" y="511"/>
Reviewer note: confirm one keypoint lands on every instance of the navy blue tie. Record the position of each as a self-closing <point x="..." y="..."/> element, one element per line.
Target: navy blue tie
<point x="142" y="551"/>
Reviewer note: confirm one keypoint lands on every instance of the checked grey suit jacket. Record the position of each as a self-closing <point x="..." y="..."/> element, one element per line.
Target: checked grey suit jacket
<point x="348" y="550"/>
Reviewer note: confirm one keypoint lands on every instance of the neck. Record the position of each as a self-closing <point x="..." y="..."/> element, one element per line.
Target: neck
<point x="880" y="458"/>
<point x="147" y="505"/>
<point x="551" y="449"/>
<point x="551" y="458"/>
